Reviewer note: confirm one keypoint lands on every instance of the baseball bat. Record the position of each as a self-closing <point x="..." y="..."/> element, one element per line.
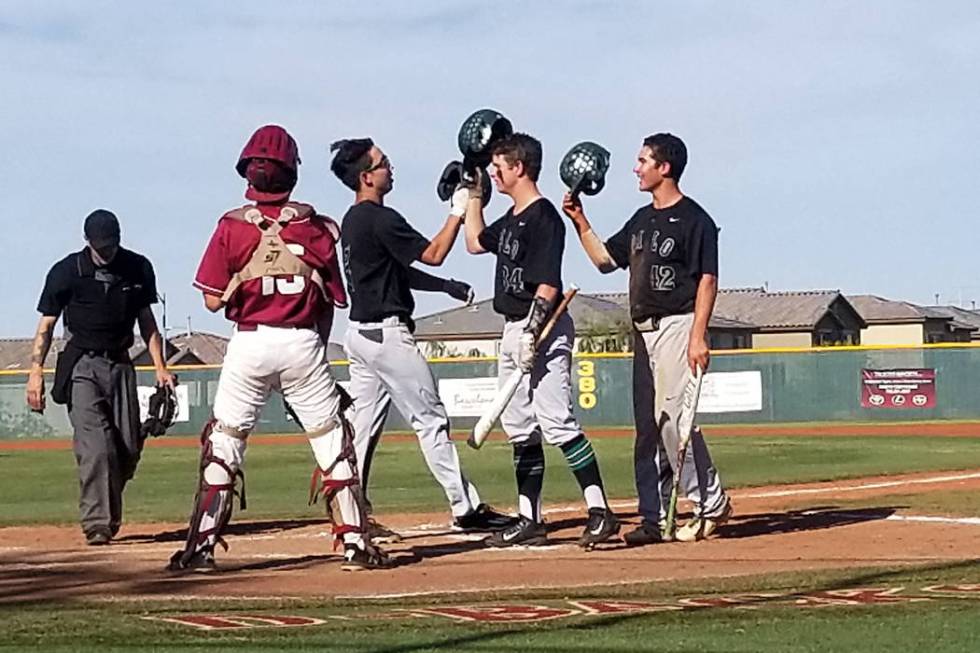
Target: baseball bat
<point x="506" y="392"/>
<point x="685" y="426"/>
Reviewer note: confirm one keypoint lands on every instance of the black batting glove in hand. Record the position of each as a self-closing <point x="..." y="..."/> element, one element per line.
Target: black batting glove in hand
<point x="459" y="290"/>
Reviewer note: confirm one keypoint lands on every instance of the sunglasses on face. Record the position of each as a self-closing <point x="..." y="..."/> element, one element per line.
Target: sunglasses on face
<point x="382" y="163"/>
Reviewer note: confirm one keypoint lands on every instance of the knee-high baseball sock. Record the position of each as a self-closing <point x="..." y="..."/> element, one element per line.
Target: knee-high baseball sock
<point x="581" y="458"/>
<point x="529" y="467"/>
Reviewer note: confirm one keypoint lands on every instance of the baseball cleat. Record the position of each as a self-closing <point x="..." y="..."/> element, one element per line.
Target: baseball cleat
<point x="98" y="538"/>
<point x="701" y="528"/>
<point x="601" y="526"/>
<point x="201" y="562"/>
<point x="378" y="532"/>
<point x="358" y="559"/>
<point x="483" y="518"/>
<point x="647" y="533"/>
<point x="523" y="532"/>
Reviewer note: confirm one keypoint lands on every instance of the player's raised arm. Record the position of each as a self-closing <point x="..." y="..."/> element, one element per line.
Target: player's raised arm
<point x="593" y="246"/>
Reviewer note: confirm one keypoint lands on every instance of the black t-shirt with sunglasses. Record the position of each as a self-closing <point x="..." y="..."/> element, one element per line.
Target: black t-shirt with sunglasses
<point x="379" y="246"/>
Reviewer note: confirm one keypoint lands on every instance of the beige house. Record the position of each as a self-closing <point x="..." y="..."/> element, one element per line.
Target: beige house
<point x="813" y="318"/>
<point x="892" y="322"/>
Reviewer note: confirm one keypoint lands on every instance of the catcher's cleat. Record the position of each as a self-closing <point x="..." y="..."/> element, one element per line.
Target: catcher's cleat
<point x="380" y="533"/>
<point x="647" y="533"/>
<point x="358" y="559"/>
<point x="701" y="528"/>
<point x="483" y="518"/>
<point x="201" y="562"/>
<point x="523" y="532"/>
<point x="601" y="526"/>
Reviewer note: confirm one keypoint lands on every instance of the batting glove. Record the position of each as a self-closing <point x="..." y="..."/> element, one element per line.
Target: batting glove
<point x="526" y="352"/>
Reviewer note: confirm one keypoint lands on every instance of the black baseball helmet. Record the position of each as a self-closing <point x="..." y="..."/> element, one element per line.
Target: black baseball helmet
<point x="453" y="175"/>
<point x="478" y="135"/>
<point x="584" y="168"/>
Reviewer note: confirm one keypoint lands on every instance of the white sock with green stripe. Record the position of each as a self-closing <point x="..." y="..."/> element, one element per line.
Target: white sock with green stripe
<point x="581" y="459"/>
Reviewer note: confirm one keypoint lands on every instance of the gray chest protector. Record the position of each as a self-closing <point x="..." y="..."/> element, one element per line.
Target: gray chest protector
<point x="272" y="257"/>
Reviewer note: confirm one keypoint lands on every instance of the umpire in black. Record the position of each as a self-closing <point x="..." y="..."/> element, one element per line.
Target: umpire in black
<point x="103" y="291"/>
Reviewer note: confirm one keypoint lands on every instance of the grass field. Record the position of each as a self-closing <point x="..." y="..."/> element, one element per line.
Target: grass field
<point x="41" y="486"/>
<point x="940" y="623"/>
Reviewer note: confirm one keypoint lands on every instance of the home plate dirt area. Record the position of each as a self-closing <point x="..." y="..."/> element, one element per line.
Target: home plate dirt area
<point x="775" y="529"/>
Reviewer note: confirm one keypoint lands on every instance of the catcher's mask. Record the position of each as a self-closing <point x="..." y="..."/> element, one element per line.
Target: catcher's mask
<point x="162" y="412"/>
<point x="479" y="133"/>
<point x="584" y="168"/>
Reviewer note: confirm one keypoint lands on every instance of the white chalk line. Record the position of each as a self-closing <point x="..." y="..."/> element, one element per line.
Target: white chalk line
<point x="858" y="487"/>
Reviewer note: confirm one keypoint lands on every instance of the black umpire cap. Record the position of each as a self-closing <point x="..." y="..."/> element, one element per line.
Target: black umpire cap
<point x="102" y="226"/>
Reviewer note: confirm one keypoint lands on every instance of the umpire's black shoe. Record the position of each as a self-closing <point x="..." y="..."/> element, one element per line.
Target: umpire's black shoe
<point x="646" y="533"/>
<point x="523" y="532"/>
<point x="484" y="518"/>
<point x="602" y="526"/>
<point x="98" y="537"/>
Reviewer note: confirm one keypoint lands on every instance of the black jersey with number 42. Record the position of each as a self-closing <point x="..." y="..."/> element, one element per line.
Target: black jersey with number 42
<point x="529" y="247"/>
<point x="666" y="250"/>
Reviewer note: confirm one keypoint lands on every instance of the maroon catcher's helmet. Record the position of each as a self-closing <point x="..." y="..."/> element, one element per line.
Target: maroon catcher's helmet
<point x="270" y="142"/>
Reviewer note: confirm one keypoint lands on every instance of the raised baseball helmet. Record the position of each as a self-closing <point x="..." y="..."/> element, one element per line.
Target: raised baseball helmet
<point x="453" y="175"/>
<point x="478" y="135"/>
<point x="584" y="168"/>
<point x="270" y="142"/>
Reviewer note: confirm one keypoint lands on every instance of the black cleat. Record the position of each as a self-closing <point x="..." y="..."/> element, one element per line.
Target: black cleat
<point x="484" y="518"/>
<point x="358" y="559"/>
<point x="523" y="532"/>
<point x="201" y="562"/>
<point x="602" y="526"/>
<point x="646" y="533"/>
<point x="98" y="537"/>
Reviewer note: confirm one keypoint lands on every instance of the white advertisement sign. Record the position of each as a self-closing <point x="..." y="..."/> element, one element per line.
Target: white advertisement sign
<point x="731" y="392"/>
<point x="467" y="397"/>
<point x="144" y="392"/>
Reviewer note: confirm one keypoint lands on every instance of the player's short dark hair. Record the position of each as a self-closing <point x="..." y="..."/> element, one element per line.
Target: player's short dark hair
<point x="101" y="225"/>
<point x="352" y="157"/>
<point x="667" y="148"/>
<point x="521" y="147"/>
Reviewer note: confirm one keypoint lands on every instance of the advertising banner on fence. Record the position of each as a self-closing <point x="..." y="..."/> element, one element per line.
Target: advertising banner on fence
<point x="468" y="397"/>
<point x="731" y="392"/>
<point x="904" y="388"/>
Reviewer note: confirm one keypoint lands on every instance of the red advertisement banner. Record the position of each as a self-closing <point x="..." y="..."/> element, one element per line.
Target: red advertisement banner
<point x="905" y="388"/>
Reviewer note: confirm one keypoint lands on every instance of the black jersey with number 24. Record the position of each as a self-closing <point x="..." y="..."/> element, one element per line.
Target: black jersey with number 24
<point x="666" y="250"/>
<point x="529" y="247"/>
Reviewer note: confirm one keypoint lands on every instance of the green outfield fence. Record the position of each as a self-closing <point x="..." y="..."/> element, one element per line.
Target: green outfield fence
<point x="777" y="386"/>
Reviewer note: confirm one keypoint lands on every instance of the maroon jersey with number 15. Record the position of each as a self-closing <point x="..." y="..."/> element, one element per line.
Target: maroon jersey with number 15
<point x="282" y="301"/>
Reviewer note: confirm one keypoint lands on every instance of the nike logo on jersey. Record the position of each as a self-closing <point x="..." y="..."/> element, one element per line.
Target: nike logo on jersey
<point x="673" y="219"/>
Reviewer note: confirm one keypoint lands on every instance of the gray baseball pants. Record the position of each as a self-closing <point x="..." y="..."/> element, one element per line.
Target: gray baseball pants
<point x="104" y="412"/>
<point x="542" y="405"/>
<point x="660" y="374"/>
<point x="386" y="365"/>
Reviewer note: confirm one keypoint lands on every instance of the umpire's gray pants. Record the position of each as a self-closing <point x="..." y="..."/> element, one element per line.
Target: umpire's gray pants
<point x="386" y="365"/>
<point x="542" y="405"/>
<point x="104" y="412"/>
<point x="660" y="374"/>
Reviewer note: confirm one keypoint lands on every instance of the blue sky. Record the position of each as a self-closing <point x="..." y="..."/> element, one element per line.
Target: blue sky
<point x="834" y="142"/>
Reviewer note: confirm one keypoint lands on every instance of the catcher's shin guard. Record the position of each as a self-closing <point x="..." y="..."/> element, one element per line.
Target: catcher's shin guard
<point x="220" y="468"/>
<point x="336" y="480"/>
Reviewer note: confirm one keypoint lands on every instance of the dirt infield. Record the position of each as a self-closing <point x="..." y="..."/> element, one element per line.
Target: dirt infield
<point x="849" y="429"/>
<point x="784" y="528"/>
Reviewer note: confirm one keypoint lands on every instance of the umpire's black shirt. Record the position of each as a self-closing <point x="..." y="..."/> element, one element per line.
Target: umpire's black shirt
<point x="666" y="250"/>
<point x="100" y="303"/>
<point x="378" y="246"/>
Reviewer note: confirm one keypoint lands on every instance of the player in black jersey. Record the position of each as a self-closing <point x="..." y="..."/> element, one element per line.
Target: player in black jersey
<point x="671" y="249"/>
